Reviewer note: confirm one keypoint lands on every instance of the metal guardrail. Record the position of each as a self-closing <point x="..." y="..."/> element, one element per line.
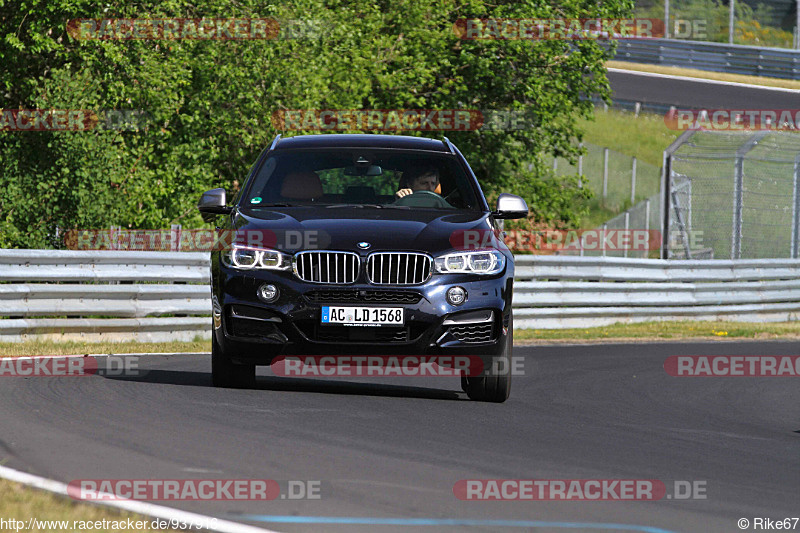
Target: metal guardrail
<point x="716" y="57"/>
<point x="562" y="292"/>
<point x="104" y="295"/>
<point x="126" y="295"/>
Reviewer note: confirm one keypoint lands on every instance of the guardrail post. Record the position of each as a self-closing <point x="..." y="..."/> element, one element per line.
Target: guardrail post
<point x="627" y="231"/>
<point x="736" y="229"/>
<point x="114" y="236"/>
<point x="681" y="225"/>
<point x="797" y="24"/>
<point x="647" y="225"/>
<point x="666" y="172"/>
<point x="633" y="181"/>
<point x="175" y="237"/>
<point x="795" y="208"/>
<point x="605" y="174"/>
<point x="603" y="240"/>
<point x="580" y="167"/>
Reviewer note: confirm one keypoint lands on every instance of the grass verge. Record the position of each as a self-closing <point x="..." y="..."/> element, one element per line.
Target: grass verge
<point x="677" y="330"/>
<point x="81" y="348"/>
<point x="645" y="137"/>
<point x="705" y="74"/>
<point x="23" y="503"/>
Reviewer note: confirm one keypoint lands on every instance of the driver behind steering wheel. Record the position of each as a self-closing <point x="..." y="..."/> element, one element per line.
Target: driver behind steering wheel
<point x="423" y="179"/>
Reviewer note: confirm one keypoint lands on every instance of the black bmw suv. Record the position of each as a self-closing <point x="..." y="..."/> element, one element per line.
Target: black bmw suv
<point x="361" y="244"/>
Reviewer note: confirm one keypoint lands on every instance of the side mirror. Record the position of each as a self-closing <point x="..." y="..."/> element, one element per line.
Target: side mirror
<point x="510" y="206"/>
<point x="213" y="203"/>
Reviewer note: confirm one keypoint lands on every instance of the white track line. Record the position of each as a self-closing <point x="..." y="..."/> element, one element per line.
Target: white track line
<point x="144" y="508"/>
<point x="703" y="80"/>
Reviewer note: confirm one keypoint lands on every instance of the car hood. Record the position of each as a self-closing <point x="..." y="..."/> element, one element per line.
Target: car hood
<point x="343" y="228"/>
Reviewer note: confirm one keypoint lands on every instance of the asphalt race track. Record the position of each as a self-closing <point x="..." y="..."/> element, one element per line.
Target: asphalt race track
<point x="394" y="448"/>
<point x="701" y="94"/>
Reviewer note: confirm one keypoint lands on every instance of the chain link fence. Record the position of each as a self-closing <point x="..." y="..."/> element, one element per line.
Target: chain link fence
<point x="734" y="195"/>
<point x="617" y="180"/>
<point x="751" y="22"/>
<point x="645" y="216"/>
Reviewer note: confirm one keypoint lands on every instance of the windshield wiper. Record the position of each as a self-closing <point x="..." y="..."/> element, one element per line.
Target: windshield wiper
<point x="279" y="204"/>
<point x="376" y="206"/>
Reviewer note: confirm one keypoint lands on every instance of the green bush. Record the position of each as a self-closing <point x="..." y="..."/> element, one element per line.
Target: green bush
<point x="209" y="103"/>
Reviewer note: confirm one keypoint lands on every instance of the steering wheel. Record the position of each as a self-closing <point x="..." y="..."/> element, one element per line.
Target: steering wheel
<point x="418" y="199"/>
<point x="423" y="191"/>
<point x="446" y="198"/>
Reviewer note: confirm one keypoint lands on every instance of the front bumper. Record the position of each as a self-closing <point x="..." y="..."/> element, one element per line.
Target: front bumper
<point x="255" y="332"/>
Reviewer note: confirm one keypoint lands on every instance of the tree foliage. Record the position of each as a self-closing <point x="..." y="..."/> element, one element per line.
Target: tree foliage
<point x="209" y="102"/>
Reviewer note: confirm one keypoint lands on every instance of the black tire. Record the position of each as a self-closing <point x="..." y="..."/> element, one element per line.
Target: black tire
<point x="493" y="387"/>
<point x="224" y="373"/>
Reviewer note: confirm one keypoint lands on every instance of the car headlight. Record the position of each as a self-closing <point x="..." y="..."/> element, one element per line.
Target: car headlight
<point x="248" y="258"/>
<point x="477" y="262"/>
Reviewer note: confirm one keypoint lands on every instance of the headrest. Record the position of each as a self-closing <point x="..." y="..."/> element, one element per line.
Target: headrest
<point x="357" y="193"/>
<point x="304" y="185"/>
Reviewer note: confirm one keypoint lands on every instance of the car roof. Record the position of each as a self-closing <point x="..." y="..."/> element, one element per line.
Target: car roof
<point x="345" y="140"/>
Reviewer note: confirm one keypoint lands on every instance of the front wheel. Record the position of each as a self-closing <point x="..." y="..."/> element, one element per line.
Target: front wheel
<point x="224" y="373"/>
<point x="495" y="385"/>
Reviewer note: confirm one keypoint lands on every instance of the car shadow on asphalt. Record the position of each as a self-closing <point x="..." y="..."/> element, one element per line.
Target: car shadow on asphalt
<point x="286" y="384"/>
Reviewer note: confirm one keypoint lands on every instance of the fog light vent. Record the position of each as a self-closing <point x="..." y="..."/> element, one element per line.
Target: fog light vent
<point x="268" y="293"/>
<point x="456" y="295"/>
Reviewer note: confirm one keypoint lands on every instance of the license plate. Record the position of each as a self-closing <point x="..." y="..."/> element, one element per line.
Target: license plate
<point x="363" y="316"/>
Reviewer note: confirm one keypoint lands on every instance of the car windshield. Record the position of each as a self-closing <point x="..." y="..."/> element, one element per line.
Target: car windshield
<point x="375" y="178"/>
